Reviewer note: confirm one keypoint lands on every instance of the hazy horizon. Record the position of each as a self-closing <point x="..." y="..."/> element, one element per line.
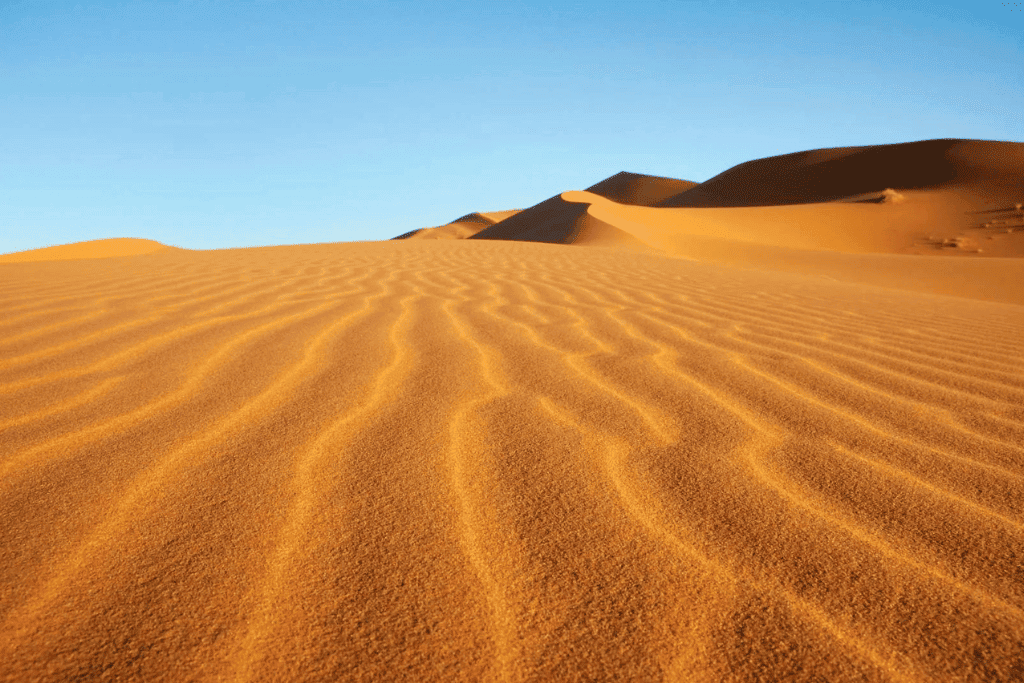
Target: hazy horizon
<point x="208" y="125"/>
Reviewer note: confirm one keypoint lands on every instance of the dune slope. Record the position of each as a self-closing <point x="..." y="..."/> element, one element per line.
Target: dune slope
<point x="560" y="222"/>
<point x="503" y="461"/>
<point x="460" y="228"/>
<point x="926" y="242"/>
<point x="638" y="189"/>
<point x="828" y="174"/>
<point x="850" y="214"/>
<point x="106" y="248"/>
<point x="553" y="221"/>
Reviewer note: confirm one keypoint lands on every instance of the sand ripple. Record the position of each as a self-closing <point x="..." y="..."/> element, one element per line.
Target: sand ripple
<point x="473" y="460"/>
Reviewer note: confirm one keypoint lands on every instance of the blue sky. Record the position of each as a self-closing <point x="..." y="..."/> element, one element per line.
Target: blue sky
<point x="208" y="124"/>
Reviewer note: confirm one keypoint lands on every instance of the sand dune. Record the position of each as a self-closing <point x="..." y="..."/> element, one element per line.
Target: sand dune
<point x="553" y="220"/>
<point x="638" y="189"/>
<point x="460" y="228"/>
<point x="558" y="221"/>
<point x="864" y="242"/>
<point x="627" y="188"/>
<point x="487" y="460"/>
<point x="828" y="174"/>
<point x="948" y="197"/>
<point x="769" y="442"/>
<point x="108" y="248"/>
<point x="847" y="214"/>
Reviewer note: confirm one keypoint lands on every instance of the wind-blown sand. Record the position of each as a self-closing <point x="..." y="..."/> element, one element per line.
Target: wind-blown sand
<point x="496" y="459"/>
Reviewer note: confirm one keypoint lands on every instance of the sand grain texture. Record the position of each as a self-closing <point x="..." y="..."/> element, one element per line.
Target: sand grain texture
<point x="491" y="460"/>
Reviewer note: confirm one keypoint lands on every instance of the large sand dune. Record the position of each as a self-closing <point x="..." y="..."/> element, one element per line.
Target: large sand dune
<point x="510" y="460"/>
<point x="819" y="175"/>
<point x="848" y="214"/>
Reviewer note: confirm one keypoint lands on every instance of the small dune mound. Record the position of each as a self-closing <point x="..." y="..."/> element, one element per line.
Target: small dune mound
<point x="886" y="196"/>
<point x="891" y="196"/>
<point x="460" y="228"/>
<point x="473" y="218"/>
<point x="639" y="190"/>
<point x="92" y="249"/>
<point x="411" y="233"/>
<point x="452" y="231"/>
<point x="499" y="216"/>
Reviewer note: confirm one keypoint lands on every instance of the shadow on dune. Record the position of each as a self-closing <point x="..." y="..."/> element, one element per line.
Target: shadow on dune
<point x="827" y="174"/>
<point x="637" y="189"/>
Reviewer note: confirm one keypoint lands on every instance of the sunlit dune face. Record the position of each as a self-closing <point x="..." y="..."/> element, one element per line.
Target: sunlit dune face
<point x="93" y="249"/>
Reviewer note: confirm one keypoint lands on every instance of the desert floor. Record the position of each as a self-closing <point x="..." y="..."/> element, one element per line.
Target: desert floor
<point x="439" y="460"/>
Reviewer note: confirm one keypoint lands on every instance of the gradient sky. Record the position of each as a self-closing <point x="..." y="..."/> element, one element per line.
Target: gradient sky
<point x="207" y="124"/>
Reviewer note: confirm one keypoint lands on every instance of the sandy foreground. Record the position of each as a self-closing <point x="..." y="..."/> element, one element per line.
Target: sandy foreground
<point x="659" y="452"/>
<point x="482" y="460"/>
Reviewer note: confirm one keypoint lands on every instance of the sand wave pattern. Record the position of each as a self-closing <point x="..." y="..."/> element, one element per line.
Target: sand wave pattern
<point x="495" y="461"/>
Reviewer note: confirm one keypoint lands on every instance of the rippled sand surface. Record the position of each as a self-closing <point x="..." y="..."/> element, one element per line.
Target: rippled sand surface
<point x="441" y="460"/>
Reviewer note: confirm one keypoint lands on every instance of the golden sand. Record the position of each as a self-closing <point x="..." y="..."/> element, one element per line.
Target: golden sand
<point x="504" y="460"/>
<point x="108" y="248"/>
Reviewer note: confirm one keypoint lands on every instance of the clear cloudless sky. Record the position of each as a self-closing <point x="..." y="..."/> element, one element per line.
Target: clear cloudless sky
<point x="210" y="124"/>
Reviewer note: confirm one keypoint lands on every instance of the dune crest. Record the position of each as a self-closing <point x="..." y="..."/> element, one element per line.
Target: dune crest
<point x="851" y="214"/>
<point x="828" y="174"/>
<point x="638" y="189"/>
<point x="460" y="228"/>
<point x="106" y="248"/>
<point x="878" y="243"/>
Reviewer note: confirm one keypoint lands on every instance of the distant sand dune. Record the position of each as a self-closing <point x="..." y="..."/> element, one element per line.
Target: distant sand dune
<point x="850" y="214"/>
<point x="828" y="174"/>
<point x="108" y="248"/>
<point x="491" y="459"/>
<point x="553" y="220"/>
<point x="639" y="190"/>
<point x="460" y="228"/>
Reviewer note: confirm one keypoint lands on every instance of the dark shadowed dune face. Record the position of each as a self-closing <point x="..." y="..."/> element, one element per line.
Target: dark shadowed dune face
<point x="553" y="220"/>
<point x="829" y="174"/>
<point x="460" y="228"/>
<point x="474" y="218"/>
<point x="407" y="235"/>
<point x="558" y="221"/>
<point x="639" y="190"/>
